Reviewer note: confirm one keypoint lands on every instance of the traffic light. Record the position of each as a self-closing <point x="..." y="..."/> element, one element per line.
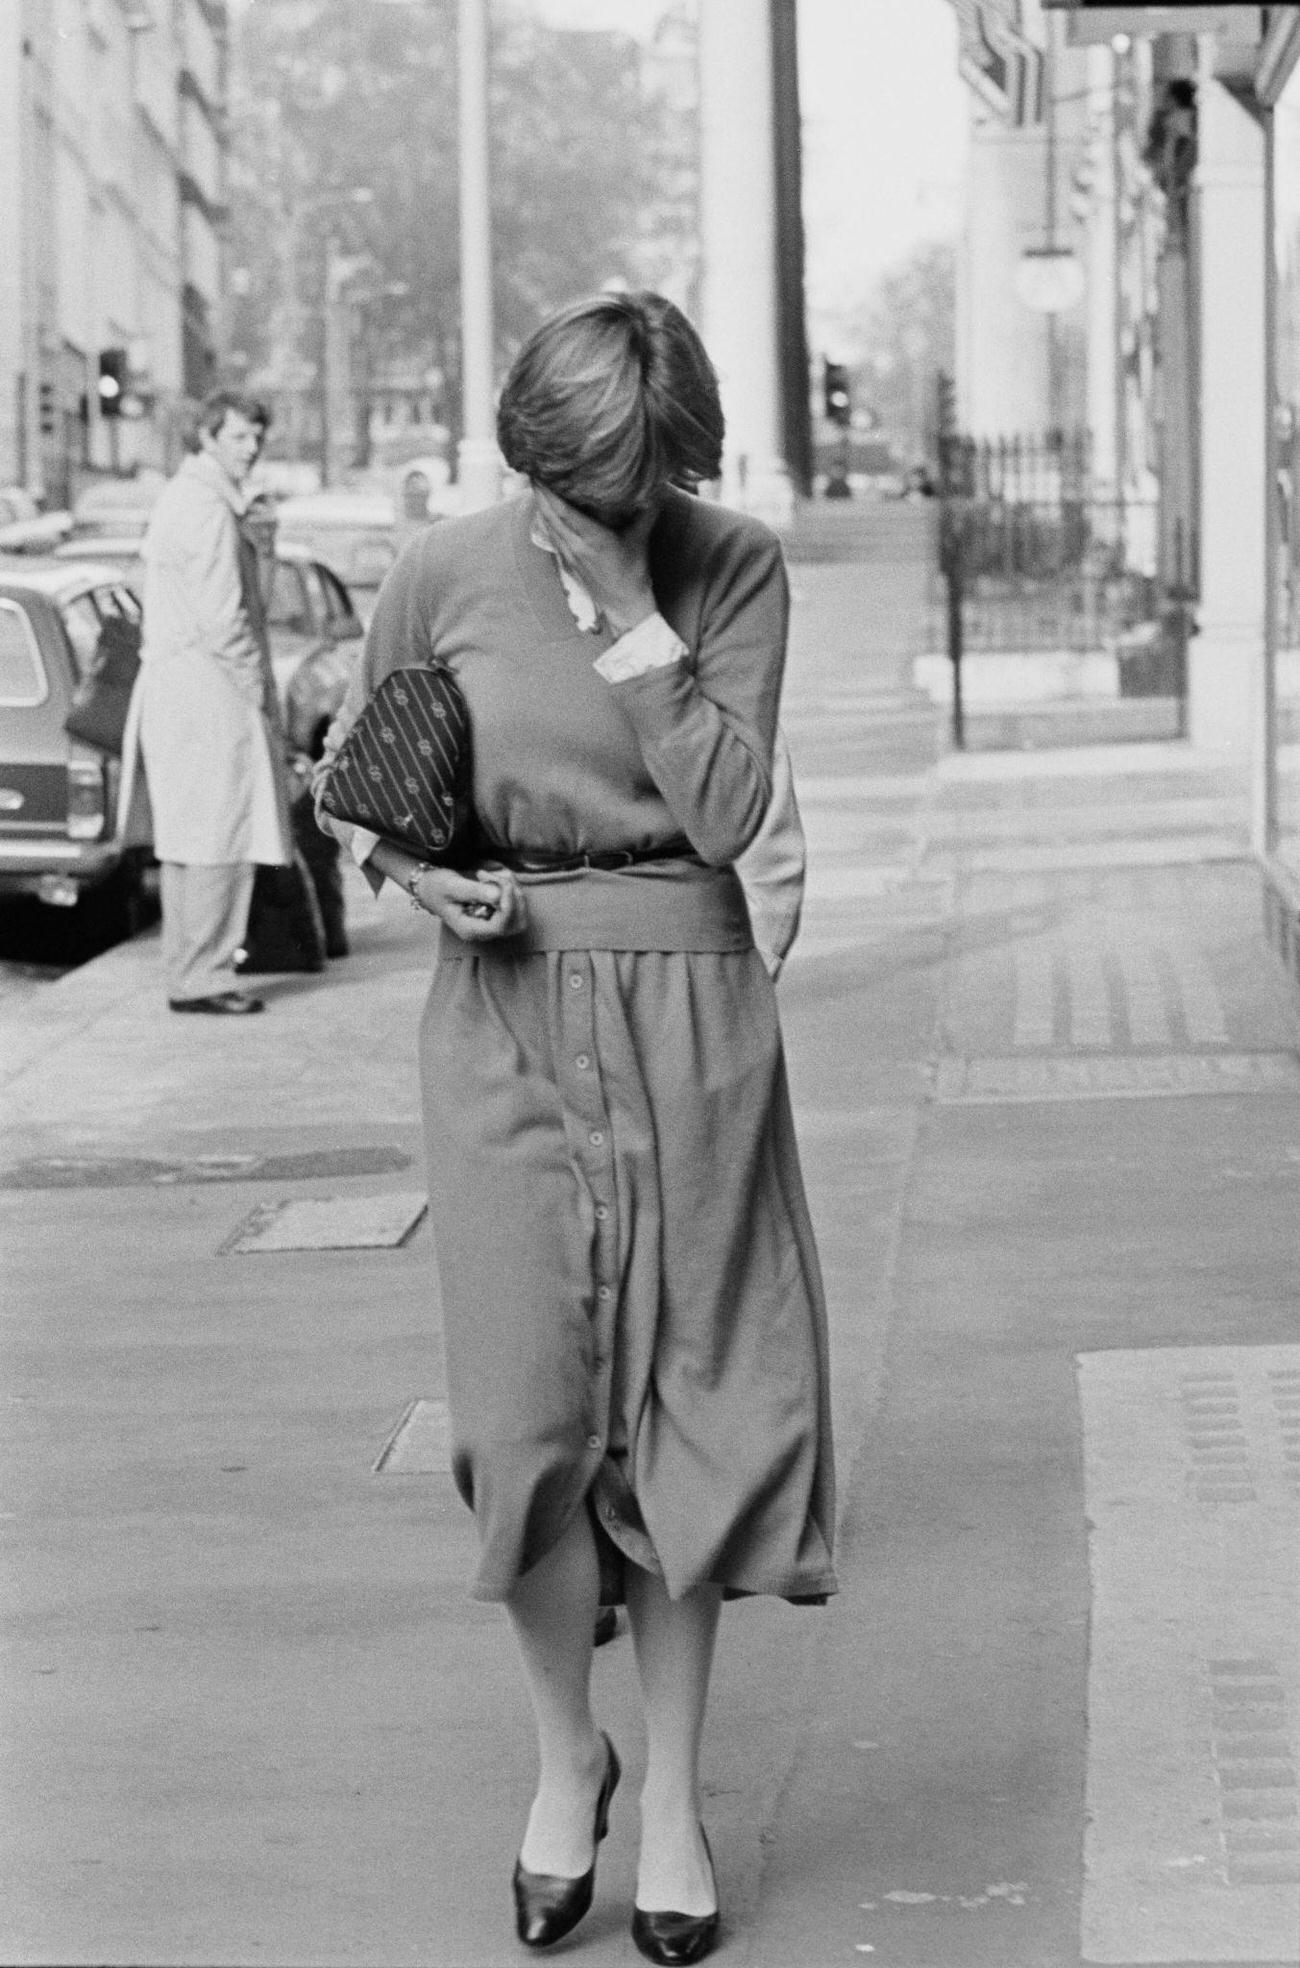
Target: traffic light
<point x="47" y="410"/>
<point x="836" y="396"/>
<point x="112" y="381"/>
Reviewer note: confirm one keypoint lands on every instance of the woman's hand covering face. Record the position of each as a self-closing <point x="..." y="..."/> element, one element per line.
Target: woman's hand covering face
<point x="613" y="566"/>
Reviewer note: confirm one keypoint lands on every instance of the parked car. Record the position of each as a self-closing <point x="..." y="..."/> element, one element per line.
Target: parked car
<point x="116" y="505"/>
<point x="355" y="533"/>
<point x="315" y="632"/>
<point x="61" y="832"/>
<point x="24" y="528"/>
<point x="17" y="505"/>
<point x="315" y="642"/>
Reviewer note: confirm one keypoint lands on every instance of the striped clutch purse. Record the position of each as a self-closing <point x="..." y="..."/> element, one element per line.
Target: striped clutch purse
<point x="403" y="771"/>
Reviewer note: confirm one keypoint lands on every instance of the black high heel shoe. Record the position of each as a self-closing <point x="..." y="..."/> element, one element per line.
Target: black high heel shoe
<point x="548" y="1906"/>
<point x="674" y="1939"/>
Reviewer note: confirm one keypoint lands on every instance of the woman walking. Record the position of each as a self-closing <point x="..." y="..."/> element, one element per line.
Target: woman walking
<point x="634" y="1323"/>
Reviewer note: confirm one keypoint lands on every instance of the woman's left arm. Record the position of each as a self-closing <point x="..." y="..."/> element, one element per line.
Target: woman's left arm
<point x="707" y="727"/>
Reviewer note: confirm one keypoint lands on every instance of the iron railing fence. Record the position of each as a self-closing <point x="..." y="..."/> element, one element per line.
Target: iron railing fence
<point x="1036" y="557"/>
<point x="1054" y="576"/>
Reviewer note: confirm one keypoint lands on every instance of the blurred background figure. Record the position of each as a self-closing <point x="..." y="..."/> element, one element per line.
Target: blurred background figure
<point x="209" y="718"/>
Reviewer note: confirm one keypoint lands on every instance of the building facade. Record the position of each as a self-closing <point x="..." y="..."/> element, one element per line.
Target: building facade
<point x="1190" y="159"/>
<point x="113" y="159"/>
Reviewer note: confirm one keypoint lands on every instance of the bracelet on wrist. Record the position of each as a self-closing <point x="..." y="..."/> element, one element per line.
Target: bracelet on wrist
<point x="412" y="883"/>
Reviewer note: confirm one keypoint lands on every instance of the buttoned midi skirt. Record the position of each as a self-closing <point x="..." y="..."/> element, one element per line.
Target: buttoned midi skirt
<point x="633" y="1311"/>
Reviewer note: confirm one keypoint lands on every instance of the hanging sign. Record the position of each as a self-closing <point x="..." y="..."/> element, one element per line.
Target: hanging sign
<point x="998" y="62"/>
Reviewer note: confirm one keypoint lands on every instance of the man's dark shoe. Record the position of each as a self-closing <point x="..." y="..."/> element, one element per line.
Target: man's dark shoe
<point x="225" y="1004"/>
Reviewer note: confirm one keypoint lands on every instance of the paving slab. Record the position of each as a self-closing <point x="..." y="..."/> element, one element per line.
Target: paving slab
<point x="330" y="1223"/>
<point x="1193" y="1805"/>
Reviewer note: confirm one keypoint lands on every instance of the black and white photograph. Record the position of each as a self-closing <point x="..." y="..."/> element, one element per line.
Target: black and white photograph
<point x="649" y="983"/>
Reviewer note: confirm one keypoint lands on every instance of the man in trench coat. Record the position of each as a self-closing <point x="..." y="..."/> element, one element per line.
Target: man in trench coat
<point x="208" y="716"/>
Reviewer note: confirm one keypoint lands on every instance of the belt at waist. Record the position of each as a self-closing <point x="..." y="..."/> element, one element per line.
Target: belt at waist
<point x="542" y="861"/>
<point x="654" y="905"/>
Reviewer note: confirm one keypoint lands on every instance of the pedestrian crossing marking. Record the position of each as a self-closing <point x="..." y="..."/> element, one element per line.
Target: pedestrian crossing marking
<point x="1203" y="1013"/>
<point x="1144" y="999"/>
<point x="1035" y="998"/>
<point x="1083" y="963"/>
<point x="1192" y="1850"/>
<point x="1090" y="1023"/>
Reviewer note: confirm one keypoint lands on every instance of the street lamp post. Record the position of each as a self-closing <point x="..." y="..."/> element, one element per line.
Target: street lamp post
<point x="478" y="460"/>
<point x="338" y="271"/>
<point x="479" y="471"/>
<point x="336" y="395"/>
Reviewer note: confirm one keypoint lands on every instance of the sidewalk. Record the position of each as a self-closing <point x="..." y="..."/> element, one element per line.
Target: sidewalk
<point x="1045" y="1075"/>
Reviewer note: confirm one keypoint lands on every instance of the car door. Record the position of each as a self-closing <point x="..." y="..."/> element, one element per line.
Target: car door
<point x="292" y="624"/>
<point x="35" y="690"/>
<point x="321" y="680"/>
<point x="345" y="624"/>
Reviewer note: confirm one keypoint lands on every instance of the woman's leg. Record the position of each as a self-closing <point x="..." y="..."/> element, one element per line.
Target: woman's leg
<point x="553" y="1611"/>
<point x="674" y="1654"/>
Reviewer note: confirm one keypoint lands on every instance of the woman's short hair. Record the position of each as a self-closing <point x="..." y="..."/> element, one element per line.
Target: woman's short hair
<point x="216" y="407"/>
<point x="609" y="401"/>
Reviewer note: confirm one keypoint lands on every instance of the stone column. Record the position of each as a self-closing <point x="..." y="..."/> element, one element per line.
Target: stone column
<point x="1003" y="382"/>
<point x="1101" y="251"/>
<point x="1227" y="656"/>
<point x="738" y="226"/>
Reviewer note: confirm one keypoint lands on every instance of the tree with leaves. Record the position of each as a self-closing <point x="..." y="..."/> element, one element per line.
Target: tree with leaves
<point x="897" y="339"/>
<point x="336" y="97"/>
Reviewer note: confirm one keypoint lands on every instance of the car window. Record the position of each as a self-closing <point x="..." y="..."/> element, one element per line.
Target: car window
<point x="337" y="599"/>
<point x="81" y="620"/>
<point x="116" y="603"/>
<point x="311" y="581"/>
<point x="22" y="674"/>
<point x="288" y="608"/>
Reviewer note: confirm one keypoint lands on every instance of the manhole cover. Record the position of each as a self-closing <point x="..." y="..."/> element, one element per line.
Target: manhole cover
<point x="328" y="1223"/>
<point x="1114" y="1076"/>
<point x="132" y="1171"/>
<point x="420" y="1445"/>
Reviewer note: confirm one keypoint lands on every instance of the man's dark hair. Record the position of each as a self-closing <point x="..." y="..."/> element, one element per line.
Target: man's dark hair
<point x="609" y="401"/>
<point x="216" y="407"/>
